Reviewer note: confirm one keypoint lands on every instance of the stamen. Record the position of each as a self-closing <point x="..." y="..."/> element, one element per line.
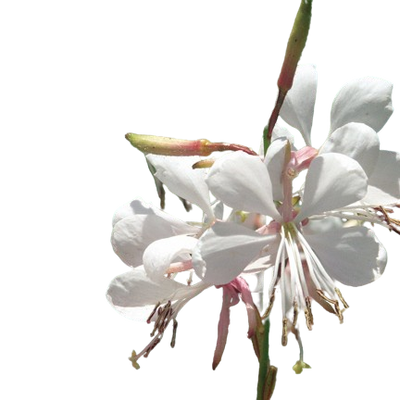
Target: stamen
<point x="295" y="313"/>
<point x="172" y="343"/>
<point x="271" y="303"/>
<point x="335" y="303"/>
<point x="341" y="298"/>
<point x="284" y="332"/>
<point x="308" y="314"/>
<point x="153" y="312"/>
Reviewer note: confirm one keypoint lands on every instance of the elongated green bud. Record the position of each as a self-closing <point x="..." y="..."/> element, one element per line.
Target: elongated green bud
<point x="296" y="44"/>
<point x="180" y="147"/>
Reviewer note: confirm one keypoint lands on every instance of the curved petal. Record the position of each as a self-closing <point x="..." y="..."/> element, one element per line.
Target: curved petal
<point x="137" y="204"/>
<point x="241" y="181"/>
<point x="280" y="132"/>
<point x="131" y="235"/>
<point x="352" y="256"/>
<point x="333" y="181"/>
<point x="355" y="140"/>
<point x="298" y="107"/>
<point x="275" y="162"/>
<point x="131" y="295"/>
<point x="160" y="254"/>
<point x="225" y="250"/>
<point x="384" y="183"/>
<point x="367" y="100"/>
<point x="181" y="179"/>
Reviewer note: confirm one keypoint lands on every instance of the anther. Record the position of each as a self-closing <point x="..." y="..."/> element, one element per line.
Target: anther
<point x="153" y="312"/>
<point x="308" y="314"/>
<point x="295" y="313"/>
<point x="284" y="332"/>
<point x="341" y="298"/>
<point x="174" y="329"/>
<point x="270" y="305"/>
<point x="335" y="303"/>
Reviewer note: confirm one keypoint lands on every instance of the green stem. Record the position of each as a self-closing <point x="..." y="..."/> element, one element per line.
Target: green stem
<point x="267" y="372"/>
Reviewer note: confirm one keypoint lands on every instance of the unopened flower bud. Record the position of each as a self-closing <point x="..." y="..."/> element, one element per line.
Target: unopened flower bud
<point x="166" y="146"/>
<point x="295" y="46"/>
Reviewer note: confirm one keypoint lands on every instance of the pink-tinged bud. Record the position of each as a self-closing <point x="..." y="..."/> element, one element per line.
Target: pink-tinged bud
<point x="295" y="46"/>
<point x="180" y="147"/>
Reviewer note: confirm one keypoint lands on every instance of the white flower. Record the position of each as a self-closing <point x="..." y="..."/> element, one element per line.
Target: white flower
<point x="159" y="246"/>
<point x="306" y="266"/>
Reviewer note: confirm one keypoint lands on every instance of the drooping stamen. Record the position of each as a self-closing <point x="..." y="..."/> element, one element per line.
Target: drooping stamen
<point x="345" y="305"/>
<point x="335" y="303"/>
<point x="153" y="312"/>
<point x="271" y="304"/>
<point x="284" y="331"/>
<point x="172" y="343"/>
<point x="309" y="319"/>
<point x="295" y="313"/>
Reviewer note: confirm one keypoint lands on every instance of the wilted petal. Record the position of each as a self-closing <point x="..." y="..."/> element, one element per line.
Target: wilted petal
<point x="355" y="140"/>
<point x="160" y="254"/>
<point x="298" y="107"/>
<point x="225" y="250"/>
<point x="333" y="181"/>
<point x="367" y="100"/>
<point x="352" y="256"/>
<point x="241" y="181"/>
<point x="181" y="179"/>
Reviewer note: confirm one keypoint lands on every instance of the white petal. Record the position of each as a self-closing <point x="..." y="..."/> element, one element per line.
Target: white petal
<point x="133" y="208"/>
<point x="241" y="181"/>
<point x="181" y="179"/>
<point x="280" y="132"/>
<point x="367" y="100"/>
<point x="225" y="250"/>
<point x="298" y="107"/>
<point x="162" y="253"/>
<point x="333" y="181"/>
<point x="353" y="256"/>
<point x="275" y="161"/>
<point x="355" y="140"/>
<point x="134" y="294"/>
<point x="131" y="235"/>
<point x="384" y="183"/>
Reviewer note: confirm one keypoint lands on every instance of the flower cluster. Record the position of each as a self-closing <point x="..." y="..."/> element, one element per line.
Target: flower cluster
<point x="283" y="229"/>
<point x="307" y="214"/>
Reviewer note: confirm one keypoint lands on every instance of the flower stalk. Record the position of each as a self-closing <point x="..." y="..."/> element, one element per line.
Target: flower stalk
<point x="267" y="372"/>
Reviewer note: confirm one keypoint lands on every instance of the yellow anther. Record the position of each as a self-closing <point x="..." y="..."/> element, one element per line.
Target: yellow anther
<point x="341" y="298"/>
<point x="271" y="303"/>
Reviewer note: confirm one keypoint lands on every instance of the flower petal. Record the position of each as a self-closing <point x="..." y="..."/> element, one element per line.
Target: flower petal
<point x="298" y="107"/>
<point x="275" y="162"/>
<point x="355" y="140"/>
<point x="131" y="235"/>
<point x="160" y="254"/>
<point x="384" y="183"/>
<point x="367" y="100"/>
<point x="241" y="181"/>
<point x="352" y="256"/>
<point x="181" y="179"/>
<point x="333" y="181"/>
<point x="225" y="250"/>
<point x="135" y="207"/>
<point x="131" y="295"/>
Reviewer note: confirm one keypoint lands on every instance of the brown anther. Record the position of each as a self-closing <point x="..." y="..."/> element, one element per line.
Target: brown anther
<point x="341" y="316"/>
<point x="308" y="314"/>
<point x="153" y="312"/>
<point x="151" y="347"/>
<point x="270" y="305"/>
<point x="174" y="329"/>
<point x="322" y="295"/>
<point x="390" y="221"/>
<point x="159" y="323"/>
<point x="342" y="300"/>
<point x="295" y="313"/>
<point x="284" y="332"/>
